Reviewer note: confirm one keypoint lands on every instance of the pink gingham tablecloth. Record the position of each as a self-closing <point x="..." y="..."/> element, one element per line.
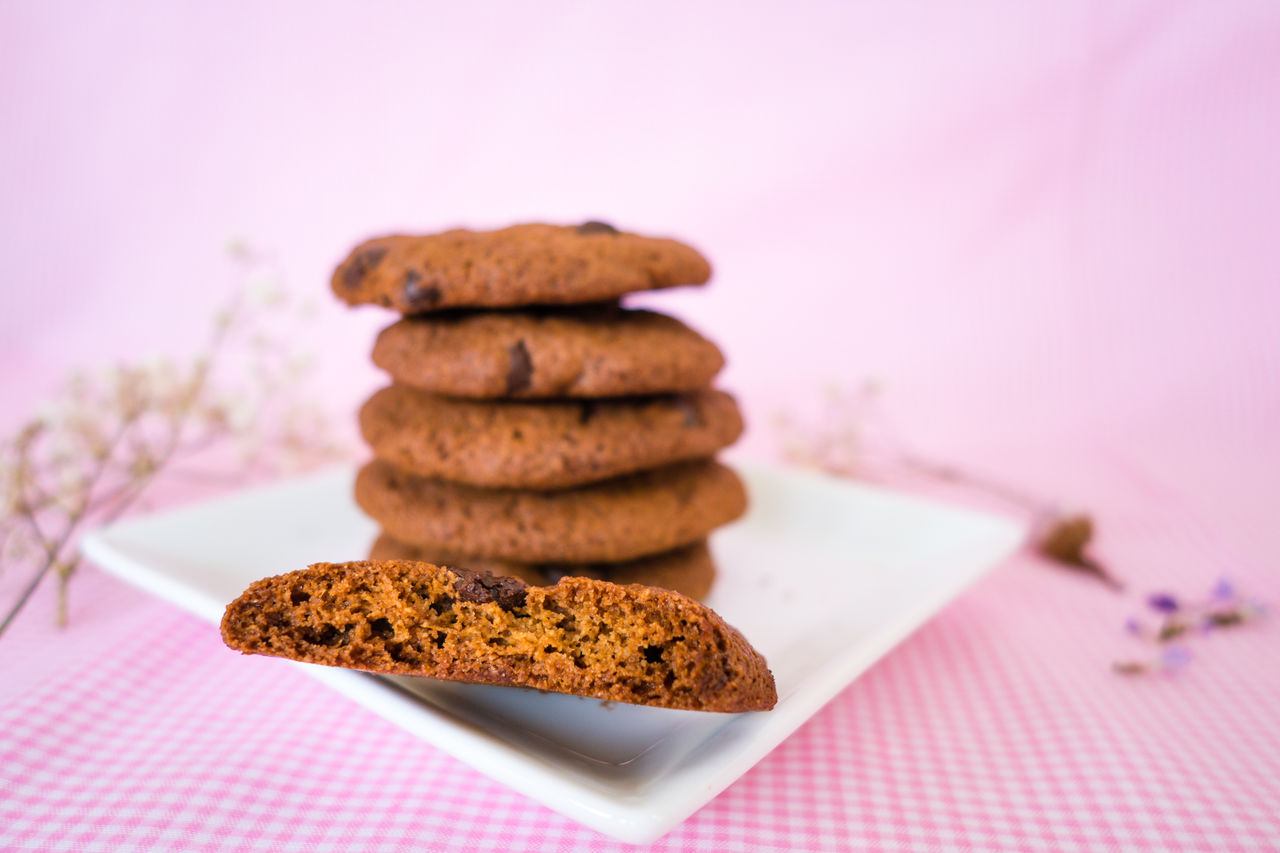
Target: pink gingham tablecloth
<point x="998" y="726"/>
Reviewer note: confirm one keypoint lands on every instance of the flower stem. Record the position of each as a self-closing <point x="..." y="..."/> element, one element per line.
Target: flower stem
<point x="26" y="593"/>
<point x="951" y="474"/>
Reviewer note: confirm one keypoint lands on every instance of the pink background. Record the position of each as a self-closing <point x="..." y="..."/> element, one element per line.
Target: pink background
<point x="1047" y="230"/>
<point x="1027" y="221"/>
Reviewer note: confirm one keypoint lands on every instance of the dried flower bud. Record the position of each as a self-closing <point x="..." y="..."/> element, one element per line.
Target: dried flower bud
<point x="1064" y="541"/>
<point x="1224" y="618"/>
<point x="237" y="248"/>
<point x="1129" y="667"/>
<point x="142" y="465"/>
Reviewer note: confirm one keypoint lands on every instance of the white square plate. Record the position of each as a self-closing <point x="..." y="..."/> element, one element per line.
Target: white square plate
<point x="823" y="576"/>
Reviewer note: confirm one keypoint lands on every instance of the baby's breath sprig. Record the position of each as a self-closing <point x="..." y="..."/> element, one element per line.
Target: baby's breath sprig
<point x="91" y="454"/>
<point x="854" y="438"/>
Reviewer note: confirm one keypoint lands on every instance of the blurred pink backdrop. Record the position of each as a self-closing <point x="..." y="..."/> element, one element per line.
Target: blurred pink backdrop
<point x="1047" y="230"/>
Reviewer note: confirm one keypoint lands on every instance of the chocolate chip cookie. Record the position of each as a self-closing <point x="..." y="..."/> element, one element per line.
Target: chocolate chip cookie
<point x="599" y="351"/>
<point x="634" y="644"/>
<point x="516" y="266"/>
<point x="608" y="522"/>
<point x="547" y="445"/>
<point x="688" y="570"/>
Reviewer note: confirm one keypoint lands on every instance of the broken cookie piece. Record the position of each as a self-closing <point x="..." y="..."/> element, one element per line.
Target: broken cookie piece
<point x="635" y="644"/>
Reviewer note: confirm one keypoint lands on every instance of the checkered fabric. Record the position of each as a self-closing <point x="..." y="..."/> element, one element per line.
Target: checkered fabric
<point x="998" y="726"/>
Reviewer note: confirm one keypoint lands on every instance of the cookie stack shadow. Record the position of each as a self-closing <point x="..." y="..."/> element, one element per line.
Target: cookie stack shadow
<point x="535" y="428"/>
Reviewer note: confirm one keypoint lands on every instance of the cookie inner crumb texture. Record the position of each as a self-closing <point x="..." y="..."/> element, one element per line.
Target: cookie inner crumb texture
<point x="620" y="643"/>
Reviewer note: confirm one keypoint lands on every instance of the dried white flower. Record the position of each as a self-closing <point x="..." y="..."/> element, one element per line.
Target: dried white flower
<point x="9" y="496"/>
<point x="297" y="364"/>
<point x="160" y="375"/>
<point x="52" y="413"/>
<point x="264" y="289"/>
<point x="239" y="412"/>
<point x="128" y="391"/>
<point x="224" y="319"/>
<point x="71" y="491"/>
<point x="237" y="247"/>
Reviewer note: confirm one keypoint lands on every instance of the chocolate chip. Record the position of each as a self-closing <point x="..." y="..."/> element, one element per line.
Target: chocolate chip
<point x="415" y="295"/>
<point x="360" y="265"/>
<point x="520" y="371"/>
<point x="596" y="227"/>
<point x="692" y="416"/>
<point x="586" y="412"/>
<point x="483" y="587"/>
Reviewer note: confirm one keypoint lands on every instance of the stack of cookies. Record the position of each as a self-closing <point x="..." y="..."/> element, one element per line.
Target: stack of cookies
<point x="535" y="428"/>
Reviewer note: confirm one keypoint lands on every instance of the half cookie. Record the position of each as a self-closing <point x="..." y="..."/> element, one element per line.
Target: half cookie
<point x="549" y="445"/>
<point x="609" y="522"/>
<point x="597" y="351"/>
<point x="516" y="266"/>
<point x="688" y="570"/>
<point x="586" y="637"/>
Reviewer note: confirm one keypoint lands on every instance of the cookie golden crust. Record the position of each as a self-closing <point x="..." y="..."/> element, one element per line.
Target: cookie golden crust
<point x="609" y="522"/>
<point x="516" y="266"/>
<point x="634" y="644"/>
<point x="688" y="570"/>
<point x="547" y="445"/>
<point x="599" y="351"/>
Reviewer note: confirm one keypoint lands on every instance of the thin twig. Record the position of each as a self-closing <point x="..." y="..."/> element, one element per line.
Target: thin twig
<point x="951" y="474"/>
<point x="840" y="447"/>
<point x="26" y="593"/>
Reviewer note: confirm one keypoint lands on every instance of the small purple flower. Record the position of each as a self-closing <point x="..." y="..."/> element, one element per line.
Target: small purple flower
<point x="1174" y="658"/>
<point x="1179" y="621"/>
<point x="1223" y="590"/>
